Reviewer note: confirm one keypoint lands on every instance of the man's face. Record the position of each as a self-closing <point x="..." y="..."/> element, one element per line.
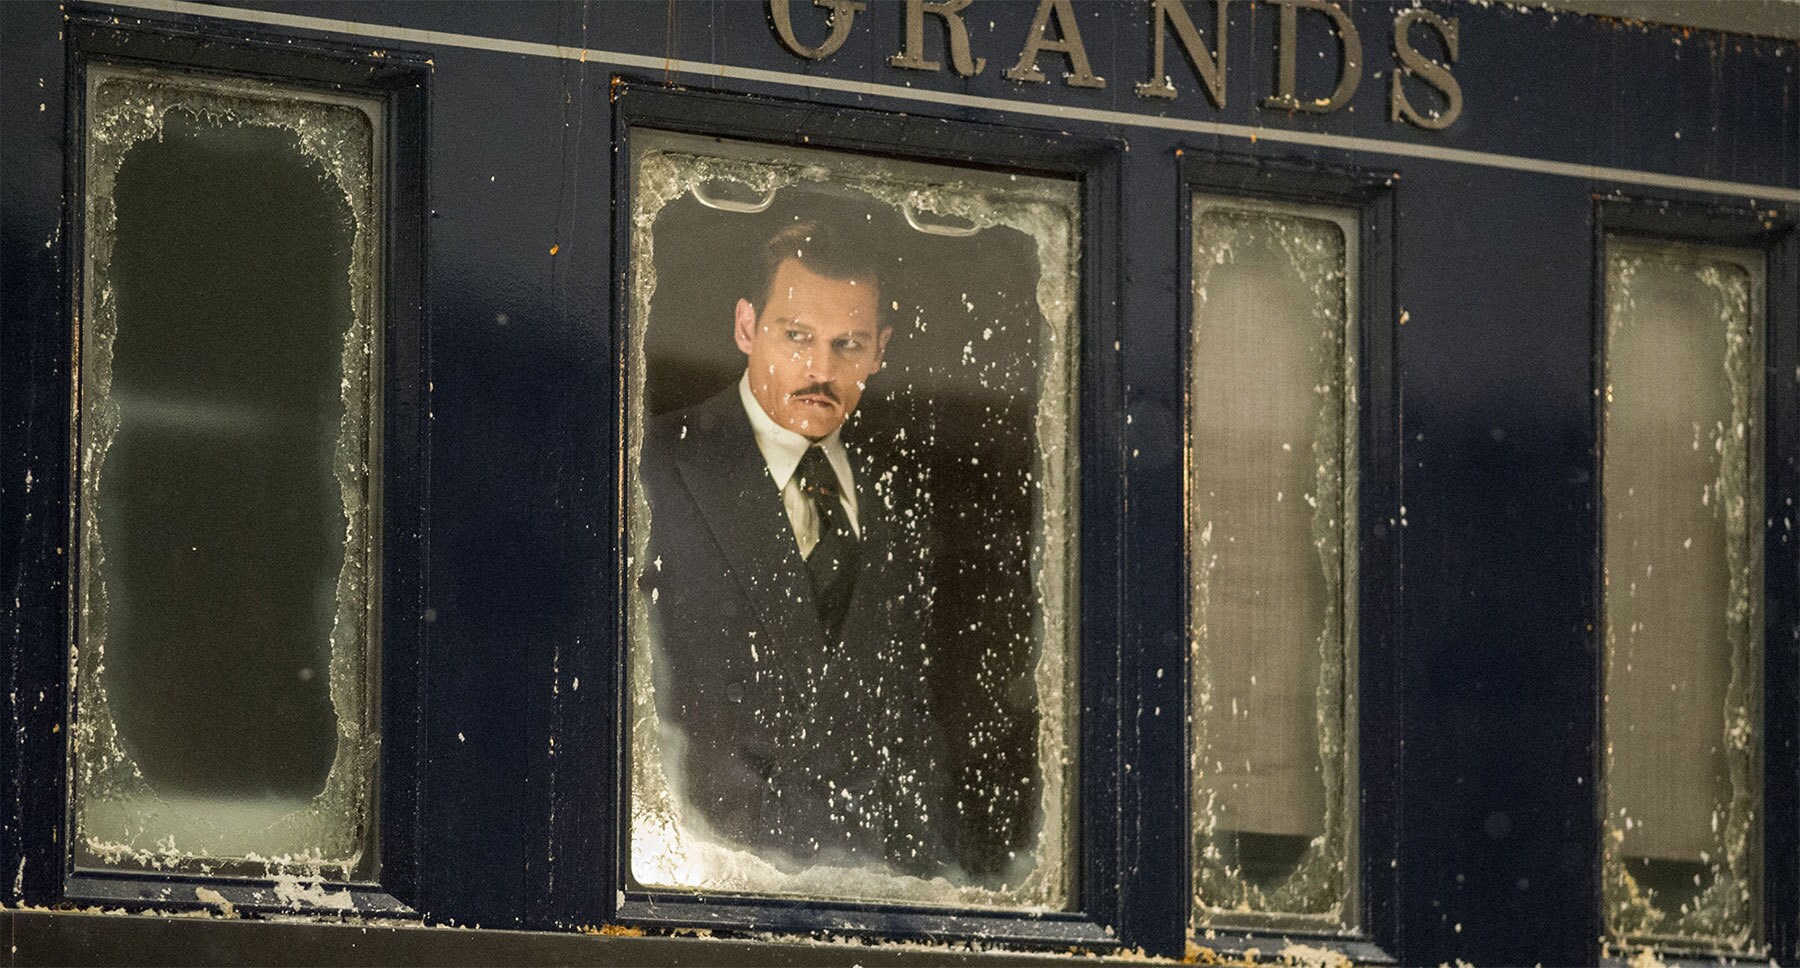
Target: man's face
<point x="815" y="343"/>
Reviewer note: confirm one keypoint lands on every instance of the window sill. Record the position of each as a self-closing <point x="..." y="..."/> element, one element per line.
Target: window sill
<point x="39" y="937"/>
<point x="183" y="892"/>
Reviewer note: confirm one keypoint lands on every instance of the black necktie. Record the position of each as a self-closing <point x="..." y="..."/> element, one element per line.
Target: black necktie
<point x="837" y="557"/>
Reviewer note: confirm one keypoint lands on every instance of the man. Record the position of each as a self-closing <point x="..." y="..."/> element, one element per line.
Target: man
<point x="790" y="662"/>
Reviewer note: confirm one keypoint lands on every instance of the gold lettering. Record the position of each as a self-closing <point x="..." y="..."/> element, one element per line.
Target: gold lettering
<point x="843" y="15"/>
<point x="1349" y="64"/>
<point x="1068" y="44"/>
<point x="1431" y="72"/>
<point x="1210" y="67"/>
<point x="956" y="32"/>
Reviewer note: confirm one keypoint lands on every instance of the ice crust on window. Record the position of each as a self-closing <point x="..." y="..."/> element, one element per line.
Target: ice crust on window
<point x="1272" y="565"/>
<point x="670" y="845"/>
<point x="1683" y="628"/>
<point x="120" y="817"/>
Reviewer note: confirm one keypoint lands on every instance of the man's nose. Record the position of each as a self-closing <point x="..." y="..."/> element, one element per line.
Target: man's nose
<point x="820" y="366"/>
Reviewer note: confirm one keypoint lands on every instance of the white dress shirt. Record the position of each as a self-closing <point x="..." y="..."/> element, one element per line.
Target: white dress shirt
<point x="782" y="450"/>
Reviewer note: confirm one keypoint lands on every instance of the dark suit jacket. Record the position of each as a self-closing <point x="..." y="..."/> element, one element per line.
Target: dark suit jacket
<point x="801" y="749"/>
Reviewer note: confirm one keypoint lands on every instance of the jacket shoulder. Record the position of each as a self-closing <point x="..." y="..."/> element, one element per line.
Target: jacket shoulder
<point x="670" y="433"/>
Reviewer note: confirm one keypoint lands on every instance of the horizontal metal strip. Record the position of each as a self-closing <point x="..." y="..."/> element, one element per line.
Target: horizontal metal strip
<point x="607" y="58"/>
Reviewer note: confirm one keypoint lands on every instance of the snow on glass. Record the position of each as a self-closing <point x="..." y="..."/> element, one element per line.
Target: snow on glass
<point x="1272" y="563"/>
<point x="1683" y="484"/>
<point x="224" y="704"/>
<point x="952" y="737"/>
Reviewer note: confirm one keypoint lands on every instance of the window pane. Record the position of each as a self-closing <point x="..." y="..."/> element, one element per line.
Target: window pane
<point x="225" y="670"/>
<point x="1273" y="558"/>
<point x="1684" y="589"/>
<point x="857" y="688"/>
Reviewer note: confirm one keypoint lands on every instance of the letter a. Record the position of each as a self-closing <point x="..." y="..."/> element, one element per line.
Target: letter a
<point x="1068" y="44"/>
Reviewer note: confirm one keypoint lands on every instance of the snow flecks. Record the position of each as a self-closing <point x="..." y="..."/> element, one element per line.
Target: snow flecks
<point x="310" y="895"/>
<point x="207" y="895"/>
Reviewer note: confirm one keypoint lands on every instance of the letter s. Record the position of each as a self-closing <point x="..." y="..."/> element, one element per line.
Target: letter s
<point x="1431" y="72"/>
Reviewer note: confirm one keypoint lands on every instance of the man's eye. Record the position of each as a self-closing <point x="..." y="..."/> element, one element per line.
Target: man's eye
<point x="798" y="335"/>
<point x="849" y="346"/>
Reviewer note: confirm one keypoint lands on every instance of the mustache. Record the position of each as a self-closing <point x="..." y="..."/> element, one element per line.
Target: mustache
<point x="817" y="390"/>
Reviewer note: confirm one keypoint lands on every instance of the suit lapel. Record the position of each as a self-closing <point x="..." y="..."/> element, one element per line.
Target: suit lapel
<point x="722" y="468"/>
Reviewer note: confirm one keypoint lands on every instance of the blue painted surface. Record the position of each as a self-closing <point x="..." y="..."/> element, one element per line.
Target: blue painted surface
<point x="1492" y="653"/>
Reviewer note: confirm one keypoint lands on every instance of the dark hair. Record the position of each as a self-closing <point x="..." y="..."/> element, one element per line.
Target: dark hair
<point x="821" y="249"/>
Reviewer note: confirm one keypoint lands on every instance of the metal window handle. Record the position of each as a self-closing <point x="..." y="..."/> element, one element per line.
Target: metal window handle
<point x="936" y="228"/>
<point x="702" y="196"/>
<point x="728" y="205"/>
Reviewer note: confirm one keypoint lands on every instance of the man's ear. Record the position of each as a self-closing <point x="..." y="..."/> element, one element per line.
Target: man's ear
<point x="745" y="325"/>
<point x="881" y="340"/>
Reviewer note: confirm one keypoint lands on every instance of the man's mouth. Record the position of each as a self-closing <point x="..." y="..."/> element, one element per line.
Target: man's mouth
<point x="818" y="395"/>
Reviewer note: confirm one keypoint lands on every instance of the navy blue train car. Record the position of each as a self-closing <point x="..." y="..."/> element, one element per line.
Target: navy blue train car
<point x="899" y="481"/>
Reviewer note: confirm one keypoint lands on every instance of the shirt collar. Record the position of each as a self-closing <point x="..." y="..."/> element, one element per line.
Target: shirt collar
<point x="782" y="448"/>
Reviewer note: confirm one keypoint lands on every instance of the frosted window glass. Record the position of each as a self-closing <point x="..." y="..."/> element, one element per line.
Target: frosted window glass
<point x="1271" y="495"/>
<point x="918" y="743"/>
<point x="225" y="670"/>
<point x="1682" y="439"/>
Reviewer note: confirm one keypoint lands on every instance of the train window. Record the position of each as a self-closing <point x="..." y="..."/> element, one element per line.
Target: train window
<point x="1273" y="559"/>
<point x="225" y="669"/>
<point x="1682" y="534"/>
<point x="852" y="526"/>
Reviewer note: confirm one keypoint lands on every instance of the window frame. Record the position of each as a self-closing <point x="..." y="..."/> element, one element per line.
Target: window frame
<point x="196" y="47"/>
<point x="1701" y="221"/>
<point x="1097" y="918"/>
<point x="1375" y="723"/>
